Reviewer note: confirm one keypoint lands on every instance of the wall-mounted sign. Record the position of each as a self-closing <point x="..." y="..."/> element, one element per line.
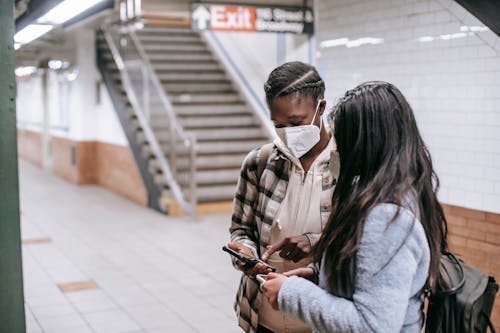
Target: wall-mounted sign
<point x="250" y="18"/>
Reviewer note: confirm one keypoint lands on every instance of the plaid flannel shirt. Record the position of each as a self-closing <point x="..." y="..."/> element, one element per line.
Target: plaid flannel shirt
<point x="254" y="209"/>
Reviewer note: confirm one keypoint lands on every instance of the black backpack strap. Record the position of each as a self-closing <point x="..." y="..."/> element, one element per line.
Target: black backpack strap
<point x="488" y="321"/>
<point x="454" y="289"/>
<point x="262" y="157"/>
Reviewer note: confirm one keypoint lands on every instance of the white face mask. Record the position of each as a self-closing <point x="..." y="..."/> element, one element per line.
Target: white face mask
<point x="301" y="139"/>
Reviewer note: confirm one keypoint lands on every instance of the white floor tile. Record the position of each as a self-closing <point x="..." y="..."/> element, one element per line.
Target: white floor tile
<point x="64" y="323"/>
<point x="115" y="321"/>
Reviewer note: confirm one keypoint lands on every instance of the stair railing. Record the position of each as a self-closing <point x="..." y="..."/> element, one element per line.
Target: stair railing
<point x="144" y="91"/>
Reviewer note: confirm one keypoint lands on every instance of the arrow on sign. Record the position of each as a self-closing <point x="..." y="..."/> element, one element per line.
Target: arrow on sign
<point x="201" y="15"/>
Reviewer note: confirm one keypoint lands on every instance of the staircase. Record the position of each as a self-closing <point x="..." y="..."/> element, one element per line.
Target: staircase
<point x="205" y="103"/>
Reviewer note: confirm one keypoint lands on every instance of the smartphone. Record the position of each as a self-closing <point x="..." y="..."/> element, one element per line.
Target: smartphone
<point x="250" y="262"/>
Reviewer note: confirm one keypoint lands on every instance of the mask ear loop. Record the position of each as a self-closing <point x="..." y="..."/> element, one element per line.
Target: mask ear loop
<point x="316" y="113"/>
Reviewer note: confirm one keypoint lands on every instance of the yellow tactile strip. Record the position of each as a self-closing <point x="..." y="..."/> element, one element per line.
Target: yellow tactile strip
<point x="77" y="286"/>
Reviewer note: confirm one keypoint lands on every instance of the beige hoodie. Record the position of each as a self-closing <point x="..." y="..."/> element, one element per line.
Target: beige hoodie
<point x="299" y="213"/>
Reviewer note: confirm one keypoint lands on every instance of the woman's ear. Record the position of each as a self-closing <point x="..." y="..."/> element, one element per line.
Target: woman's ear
<point x="322" y="106"/>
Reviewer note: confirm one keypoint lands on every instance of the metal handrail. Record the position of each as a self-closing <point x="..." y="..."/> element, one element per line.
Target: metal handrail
<point x="188" y="140"/>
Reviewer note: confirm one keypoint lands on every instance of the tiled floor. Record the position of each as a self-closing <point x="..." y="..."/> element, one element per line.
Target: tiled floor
<point x="141" y="271"/>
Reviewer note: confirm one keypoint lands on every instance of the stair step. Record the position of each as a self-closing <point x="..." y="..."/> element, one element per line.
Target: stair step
<point x="216" y="193"/>
<point x="208" y="162"/>
<point x="207" y="177"/>
<point x="189" y="67"/>
<point x="214" y="148"/>
<point x="150" y="29"/>
<point x="245" y="133"/>
<point x="211" y="110"/>
<point x="160" y="121"/>
<point x="212" y="193"/>
<point x="220" y="161"/>
<point x="220" y="176"/>
<point x="218" y="122"/>
<point x="205" y="98"/>
<point x="235" y="134"/>
<point x="168" y="38"/>
<point x="183" y="87"/>
<point x="196" y="77"/>
<point x="242" y="147"/>
<point x="169" y="57"/>
<point x="174" y="47"/>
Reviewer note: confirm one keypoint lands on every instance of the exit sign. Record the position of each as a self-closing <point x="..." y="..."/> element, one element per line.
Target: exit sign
<point x="249" y="18"/>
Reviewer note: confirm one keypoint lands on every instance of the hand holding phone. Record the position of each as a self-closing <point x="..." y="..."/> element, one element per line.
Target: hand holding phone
<point x="249" y="262"/>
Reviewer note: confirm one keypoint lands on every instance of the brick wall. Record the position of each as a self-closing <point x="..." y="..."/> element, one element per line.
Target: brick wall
<point x="475" y="236"/>
<point x="448" y="66"/>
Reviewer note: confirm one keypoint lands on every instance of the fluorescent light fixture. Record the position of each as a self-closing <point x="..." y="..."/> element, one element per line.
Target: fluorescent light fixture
<point x="333" y="42"/>
<point x="474" y="28"/>
<point x="17" y="46"/>
<point x="453" y="36"/>
<point x="31" y="32"/>
<point x="58" y="64"/>
<point x="350" y="43"/>
<point x="25" y="71"/>
<point x="425" y="39"/>
<point x="365" y="40"/>
<point x="66" y="10"/>
<point x="55" y="64"/>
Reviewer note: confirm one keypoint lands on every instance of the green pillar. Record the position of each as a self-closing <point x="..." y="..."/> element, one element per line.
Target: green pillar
<point x="11" y="278"/>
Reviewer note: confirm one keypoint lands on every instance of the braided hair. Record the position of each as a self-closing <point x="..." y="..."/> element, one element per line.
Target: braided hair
<point x="294" y="78"/>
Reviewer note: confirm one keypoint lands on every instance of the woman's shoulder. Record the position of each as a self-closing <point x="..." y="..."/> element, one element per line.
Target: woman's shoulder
<point x="388" y="229"/>
<point x="385" y="217"/>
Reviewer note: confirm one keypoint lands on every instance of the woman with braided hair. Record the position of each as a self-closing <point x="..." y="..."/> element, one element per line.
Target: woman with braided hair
<point x="383" y="242"/>
<point x="280" y="209"/>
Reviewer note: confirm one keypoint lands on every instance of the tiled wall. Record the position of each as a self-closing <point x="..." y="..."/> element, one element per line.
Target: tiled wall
<point x="446" y="63"/>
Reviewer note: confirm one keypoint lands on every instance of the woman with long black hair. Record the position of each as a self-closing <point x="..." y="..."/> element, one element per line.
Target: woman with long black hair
<point x="383" y="242"/>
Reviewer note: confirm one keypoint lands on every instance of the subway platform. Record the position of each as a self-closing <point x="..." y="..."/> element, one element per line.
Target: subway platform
<point x="94" y="262"/>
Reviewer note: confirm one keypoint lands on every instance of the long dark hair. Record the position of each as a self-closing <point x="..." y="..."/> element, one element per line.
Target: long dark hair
<point x="296" y="79"/>
<point x="383" y="159"/>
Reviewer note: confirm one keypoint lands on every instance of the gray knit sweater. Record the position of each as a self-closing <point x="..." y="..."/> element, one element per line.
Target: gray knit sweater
<point x="391" y="270"/>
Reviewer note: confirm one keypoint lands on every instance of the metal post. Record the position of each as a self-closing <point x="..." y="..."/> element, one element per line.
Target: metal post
<point x="11" y="278"/>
